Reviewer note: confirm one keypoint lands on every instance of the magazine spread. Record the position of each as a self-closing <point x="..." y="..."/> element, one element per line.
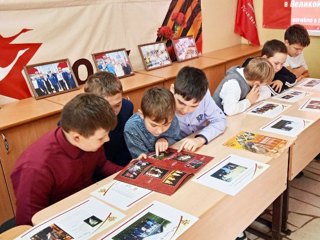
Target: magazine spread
<point x="120" y="194"/>
<point x="164" y="173"/>
<point x="232" y="174"/>
<point x="256" y="143"/>
<point x="156" y="221"/>
<point x="78" y="222"/>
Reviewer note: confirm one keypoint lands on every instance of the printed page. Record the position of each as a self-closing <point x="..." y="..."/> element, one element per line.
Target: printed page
<point x="291" y="96"/>
<point x="157" y="221"/>
<point x="310" y="83"/>
<point x="267" y="109"/>
<point x="256" y="143"/>
<point x="79" y="222"/>
<point x="232" y="174"/>
<point x="311" y="105"/>
<point x="287" y="125"/>
<point x="120" y="194"/>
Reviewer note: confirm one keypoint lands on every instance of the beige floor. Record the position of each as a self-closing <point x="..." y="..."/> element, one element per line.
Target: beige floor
<point x="304" y="206"/>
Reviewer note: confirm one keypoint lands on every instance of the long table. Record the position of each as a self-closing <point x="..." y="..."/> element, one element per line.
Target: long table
<point x="221" y="216"/>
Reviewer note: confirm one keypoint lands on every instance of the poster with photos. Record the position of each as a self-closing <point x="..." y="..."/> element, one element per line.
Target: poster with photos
<point x="311" y="105"/>
<point x="310" y="83"/>
<point x="291" y="96"/>
<point x="232" y="174"/>
<point x="79" y="222"/>
<point x="164" y="173"/>
<point x="287" y="125"/>
<point x="156" y="221"/>
<point x="267" y="109"/>
<point x="185" y="48"/>
<point x="256" y="143"/>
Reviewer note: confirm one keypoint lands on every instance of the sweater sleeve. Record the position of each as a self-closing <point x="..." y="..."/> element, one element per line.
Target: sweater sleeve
<point x="32" y="189"/>
<point x="135" y="144"/>
<point x="230" y="95"/>
<point x="215" y="118"/>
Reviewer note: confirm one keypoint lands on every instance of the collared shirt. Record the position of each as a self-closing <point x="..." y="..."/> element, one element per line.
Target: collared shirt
<point x="207" y="119"/>
<point x="140" y="140"/>
<point x="52" y="169"/>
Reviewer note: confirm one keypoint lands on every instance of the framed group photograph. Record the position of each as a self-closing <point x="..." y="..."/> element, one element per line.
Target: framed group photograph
<point x="185" y="48"/>
<point x="50" y="78"/>
<point x="154" y="55"/>
<point x="116" y="62"/>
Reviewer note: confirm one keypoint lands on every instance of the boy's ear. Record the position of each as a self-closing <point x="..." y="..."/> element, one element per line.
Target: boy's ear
<point x="286" y="42"/>
<point x="172" y="88"/>
<point x="75" y="136"/>
<point x="140" y="113"/>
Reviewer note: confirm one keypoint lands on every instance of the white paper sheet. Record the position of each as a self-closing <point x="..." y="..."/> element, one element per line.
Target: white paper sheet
<point x="287" y="125"/>
<point x="81" y="221"/>
<point x="120" y="194"/>
<point x="232" y="174"/>
<point x="310" y="83"/>
<point x="311" y="105"/>
<point x="291" y="95"/>
<point x="267" y="109"/>
<point x="158" y="221"/>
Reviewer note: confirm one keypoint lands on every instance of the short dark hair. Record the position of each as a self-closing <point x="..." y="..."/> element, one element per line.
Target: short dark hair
<point x="297" y="34"/>
<point x="191" y="83"/>
<point x="86" y="113"/>
<point x="104" y="84"/>
<point x="158" y="104"/>
<point x="270" y="48"/>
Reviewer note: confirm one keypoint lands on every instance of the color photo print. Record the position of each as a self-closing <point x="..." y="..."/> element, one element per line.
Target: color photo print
<point x="287" y="125"/>
<point x="291" y="96"/>
<point x="185" y="48"/>
<point x="116" y="62"/>
<point x="156" y="221"/>
<point x="267" y="109"/>
<point x="311" y="105"/>
<point x="50" y="78"/>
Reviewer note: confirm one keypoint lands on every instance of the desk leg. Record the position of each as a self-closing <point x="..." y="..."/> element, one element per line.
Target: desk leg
<point x="285" y="210"/>
<point x="277" y="207"/>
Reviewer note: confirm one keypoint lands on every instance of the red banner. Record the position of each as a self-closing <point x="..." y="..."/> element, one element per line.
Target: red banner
<point x="245" y="24"/>
<point x="276" y="14"/>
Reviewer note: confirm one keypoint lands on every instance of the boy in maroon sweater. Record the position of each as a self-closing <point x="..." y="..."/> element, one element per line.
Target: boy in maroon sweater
<point x="65" y="160"/>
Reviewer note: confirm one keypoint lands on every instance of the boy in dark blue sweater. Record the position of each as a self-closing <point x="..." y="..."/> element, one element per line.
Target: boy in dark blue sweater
<point x="109" y="87"/>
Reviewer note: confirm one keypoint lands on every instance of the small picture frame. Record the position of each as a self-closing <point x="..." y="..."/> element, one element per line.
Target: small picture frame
<point x="185" y="48"/>
<point x="116" y="62"/>
<point x="154" y="55"/>
<point x="51" y="78"/>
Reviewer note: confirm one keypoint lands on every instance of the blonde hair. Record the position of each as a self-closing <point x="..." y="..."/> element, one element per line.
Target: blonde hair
<point x="259" y="69"/>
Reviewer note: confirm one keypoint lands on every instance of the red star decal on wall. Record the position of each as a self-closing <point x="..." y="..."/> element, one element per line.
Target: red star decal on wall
<point x="13" y="57"/>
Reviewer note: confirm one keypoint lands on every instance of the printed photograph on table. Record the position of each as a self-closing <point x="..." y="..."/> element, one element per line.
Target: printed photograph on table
<point x="256" y="143"/>
<point x="50" y="78"/>
<point x="232" y="174"/>
<point x="287" y="125"/>
<point x="154" y="55"/>
<point x="310" y="83"/>
<point x="267" y="109"/>
<point x="116" y="62"/>
<point x="156" y="221"/>
<point x="311" y="105"/>
<point x="185" y="48"/>
<point x="291" y="96"/>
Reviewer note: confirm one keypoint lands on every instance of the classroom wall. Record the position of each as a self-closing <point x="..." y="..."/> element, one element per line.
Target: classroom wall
<point x="311" y="53"/>
<point x="218" y="18"/>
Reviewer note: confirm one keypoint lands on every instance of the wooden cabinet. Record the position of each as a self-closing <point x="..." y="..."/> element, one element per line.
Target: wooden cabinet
<point x="22" y="123"/>
<point x="235" y="55"/>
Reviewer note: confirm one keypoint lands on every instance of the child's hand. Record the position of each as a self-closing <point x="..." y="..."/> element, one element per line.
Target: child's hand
<point x="277" y="85"/>
<point x="141" y="156"/>
<point x="161" y="145"/>
<point x="192" y="144"/>
<point x="253" y="95"/>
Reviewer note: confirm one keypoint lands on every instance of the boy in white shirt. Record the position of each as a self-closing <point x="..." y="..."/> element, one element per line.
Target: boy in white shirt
<point x="243" y="87"/>
<point x="296" y="38"/>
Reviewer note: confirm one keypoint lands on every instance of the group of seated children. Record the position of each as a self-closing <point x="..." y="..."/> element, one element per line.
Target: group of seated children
<point x="71" y="157"/>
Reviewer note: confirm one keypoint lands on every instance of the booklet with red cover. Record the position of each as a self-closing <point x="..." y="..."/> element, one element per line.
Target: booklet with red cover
<point x="163" y="173"/>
